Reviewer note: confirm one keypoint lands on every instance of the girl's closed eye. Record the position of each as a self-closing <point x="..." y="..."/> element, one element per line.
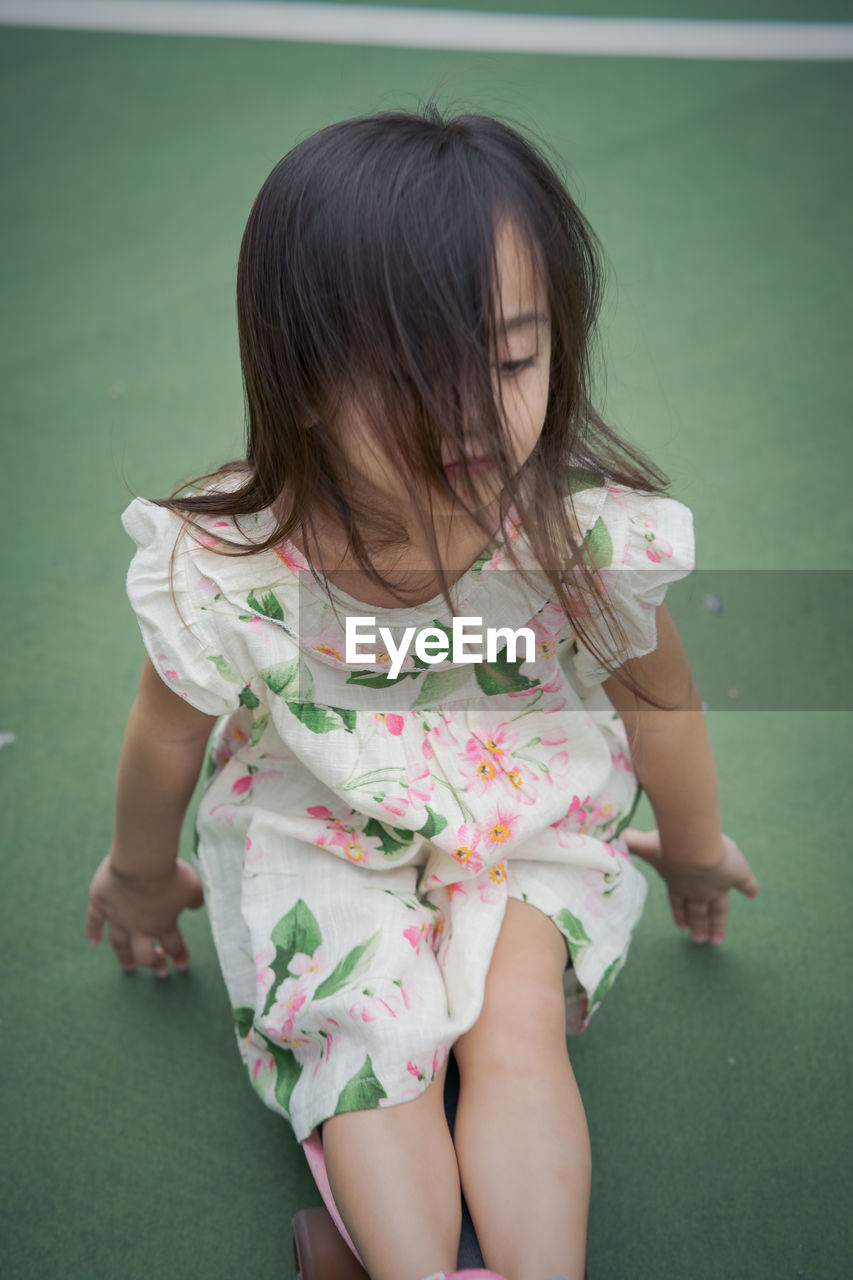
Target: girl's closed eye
<point x="509" y="367"/>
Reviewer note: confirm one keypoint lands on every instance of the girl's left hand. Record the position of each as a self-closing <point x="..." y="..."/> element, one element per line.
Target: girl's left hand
<point x="698" y="895"/>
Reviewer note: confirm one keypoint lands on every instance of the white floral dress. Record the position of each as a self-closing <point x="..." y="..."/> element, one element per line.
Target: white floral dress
<point x="358" y="837"/>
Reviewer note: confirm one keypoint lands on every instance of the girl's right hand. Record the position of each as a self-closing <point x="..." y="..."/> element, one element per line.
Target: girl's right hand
<point x="142" y="915"/>
<point x="698" y="894"/>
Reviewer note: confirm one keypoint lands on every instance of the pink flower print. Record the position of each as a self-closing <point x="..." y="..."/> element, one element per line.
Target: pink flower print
<point x="264" y="975"/>
<point x="424" y="1074"/>
<point x="253" y="852"/>
<point x="492" y="891"/>
<point x="415" y="935"/>
<point x="520" y="781"/>
<point x="303" y="966"/>
<point x="329" y="649"/>
<point x="166" y="670"/>
<point x="355" y="852"/>
<point x="485" y="758"/>
<point x="466" y="850"/>
<point x="369" y="1006"/>
<point x="621" y="761"/>
<point x="574" y="821"/>
<point x="577" y="808"/>
<point x="500" y="829"/>
<point x="479" y="768"/>
<point x="594" y="881"/>
<point x="289" y="999"/>
<point x="242" y="785"/>
<point x="601" y="816"/>
<point x="389" y="723"/>
<point x="546" y="628"/>
<point x="558" y="769"/>
<point x="439" y="734"/>
<point x="256" y="1054"/>
<point x="325" y="1039"/>
<point x="287" y="557"/>
<point x="657" y="549"/>
<point x="225" y="813"/>
<point x="338" y="836"/>
<point x="416" y="791"/>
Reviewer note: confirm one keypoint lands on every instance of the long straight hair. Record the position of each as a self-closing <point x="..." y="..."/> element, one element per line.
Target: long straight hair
<point x="367" y="274"/>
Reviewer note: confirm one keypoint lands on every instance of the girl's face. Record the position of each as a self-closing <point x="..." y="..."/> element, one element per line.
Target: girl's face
<point x="521" y="362"/>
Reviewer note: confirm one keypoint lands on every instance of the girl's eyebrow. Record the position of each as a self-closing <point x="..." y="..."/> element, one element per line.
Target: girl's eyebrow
<point x="523" y="319"/>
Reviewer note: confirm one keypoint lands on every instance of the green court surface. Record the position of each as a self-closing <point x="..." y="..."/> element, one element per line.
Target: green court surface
<point x="717" y="1084"/>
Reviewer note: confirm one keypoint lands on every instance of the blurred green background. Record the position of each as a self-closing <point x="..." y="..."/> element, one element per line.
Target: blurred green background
<point x="717" y="1084"/>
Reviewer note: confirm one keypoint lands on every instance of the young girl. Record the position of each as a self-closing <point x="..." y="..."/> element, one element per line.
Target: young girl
<point x="410" y="842"/>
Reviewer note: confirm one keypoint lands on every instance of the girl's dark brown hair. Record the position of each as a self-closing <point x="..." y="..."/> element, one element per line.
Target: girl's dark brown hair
<point x="367" y="275"/>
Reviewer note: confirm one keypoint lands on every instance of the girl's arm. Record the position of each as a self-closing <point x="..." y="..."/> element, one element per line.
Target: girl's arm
<point x="141" y="887"/>
<point x="674" y="763"/>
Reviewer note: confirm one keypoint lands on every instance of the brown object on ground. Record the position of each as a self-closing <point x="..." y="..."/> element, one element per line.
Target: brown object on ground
<point x="320" y="1250"/>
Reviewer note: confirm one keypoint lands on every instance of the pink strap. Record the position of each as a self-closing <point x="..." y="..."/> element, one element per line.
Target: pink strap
<point x="313" y="1148"/>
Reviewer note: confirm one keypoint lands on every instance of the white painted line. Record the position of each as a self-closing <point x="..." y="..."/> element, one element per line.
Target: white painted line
<point x="445" y="28"/>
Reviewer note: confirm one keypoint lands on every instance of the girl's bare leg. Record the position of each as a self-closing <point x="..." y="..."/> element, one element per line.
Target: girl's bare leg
<point x="395" y="1180"/>
<point x="521" y="1135"/>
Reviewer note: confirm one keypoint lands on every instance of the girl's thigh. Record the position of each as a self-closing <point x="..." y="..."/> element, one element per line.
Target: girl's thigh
<point x="524" y="1010"/>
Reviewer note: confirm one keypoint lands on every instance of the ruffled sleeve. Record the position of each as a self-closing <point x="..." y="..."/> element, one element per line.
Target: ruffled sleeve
<point x="175" y="605"/>
<point x="640" y="544"/>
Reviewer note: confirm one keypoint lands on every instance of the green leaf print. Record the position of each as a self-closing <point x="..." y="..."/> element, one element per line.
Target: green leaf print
<point x="626" y="821"/>
<point x="259" y="728"/>
<point x="283" y="678"/>
<point x="579" y="478"/>
<point x="378" y="679"/>
<point x="502" y="676"/>
<point x="351" y="968"/>
<point x="598" y="545"/>
<point x="287" y="1073"/>
<point x="224" y="667"/>
<point x="482" y="559"/>
<point x="569" y="925"/>
<point x="321" y="719"/>
<point x="377" y="830"/>
<point x="248" y="699"/>
<point x="268" y="606"/>
<point x="439" y="685"/>
<point x="362" y="1093"/>
<point x="243" y="1019"/>
<point x="435" y="823"/>
<point x="297" y="933"/>
<point x="607" y="979"/>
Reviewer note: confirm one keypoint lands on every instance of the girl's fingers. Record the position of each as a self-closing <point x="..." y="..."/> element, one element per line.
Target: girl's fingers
<point x="174" y="946"/>
<point x="148" y="952"/>
<point x="679" y="913"/>
<point x="122" y="947"/>
<point x="697" y="919"/>
<point x="718" y="915"/>
<point x="94" y="923"/>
